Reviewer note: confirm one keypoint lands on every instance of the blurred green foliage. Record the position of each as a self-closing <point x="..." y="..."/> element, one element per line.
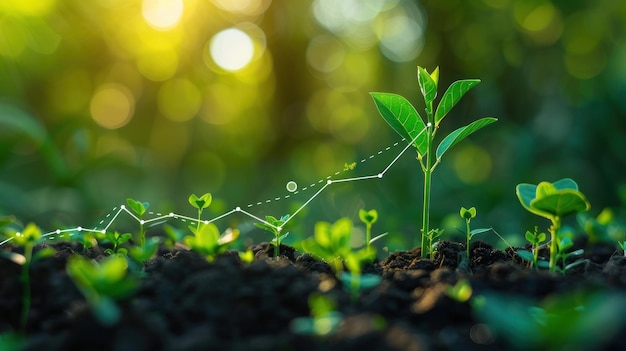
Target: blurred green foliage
<point x="106" y="99"/>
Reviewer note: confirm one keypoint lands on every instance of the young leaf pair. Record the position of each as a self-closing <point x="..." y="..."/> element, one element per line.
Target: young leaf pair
<point x="406" y="121"/>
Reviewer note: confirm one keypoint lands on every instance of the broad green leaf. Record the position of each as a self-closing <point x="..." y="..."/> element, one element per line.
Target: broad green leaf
<point x="565" y="183"/>
<point x="111" y="269"/>
<point x="561" y="203"/>
<point x="340" y="233"/>
<point x="451" y="97"/>
<point x="435" y="76"/>
<point x="545" y="189"/>
<point x="461" y="134"/>
<point x="526" y="255"/>
<point x="322" y="234"/>
<point x="403" y="118"/>
<point x="479" y="231"/>
<point x="428" y="87"/>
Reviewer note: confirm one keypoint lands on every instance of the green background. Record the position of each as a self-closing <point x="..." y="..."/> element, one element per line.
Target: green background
<point x="103" y="100"/>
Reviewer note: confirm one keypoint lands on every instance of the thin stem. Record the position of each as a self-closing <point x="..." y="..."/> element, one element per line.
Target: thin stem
<point x="427" y="180"/>
<point x="554" y="229"/>
<point x="26" y="296"/>
<point x="368" y="235"/>
<point x="469" y="237"/>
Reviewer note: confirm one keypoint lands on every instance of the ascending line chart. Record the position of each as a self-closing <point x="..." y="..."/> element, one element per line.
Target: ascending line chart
<point x="291" y="186"/>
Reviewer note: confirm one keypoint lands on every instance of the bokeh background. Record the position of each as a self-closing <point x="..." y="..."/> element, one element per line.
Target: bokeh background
<point x="102" y="100"/>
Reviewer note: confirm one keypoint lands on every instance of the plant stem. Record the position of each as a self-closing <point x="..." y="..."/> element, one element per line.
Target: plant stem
<point x="277" y="244"/>
<point x="28" y="254"/>
<point x="469" y="237"/>
<point x="427" y="179"/>
<point x="554" y="229"/>
<point x="368" y="234"/>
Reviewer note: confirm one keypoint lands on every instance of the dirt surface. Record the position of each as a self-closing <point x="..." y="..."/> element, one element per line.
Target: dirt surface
<point x="186" y="303"/>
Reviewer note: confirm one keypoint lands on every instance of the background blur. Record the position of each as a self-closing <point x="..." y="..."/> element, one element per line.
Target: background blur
<point x="102" y="100"/>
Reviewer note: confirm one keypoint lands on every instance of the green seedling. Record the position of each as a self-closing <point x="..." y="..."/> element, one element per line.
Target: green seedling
<point x="324" y="319"/>
<point x="607" y="227"/>
<point x="146" y="252"/>
<point x="468" y="215"/>
<point x="552" y="201"/>
<point x="275" y="226"/>
<point x="565" y="243"/>
<point x="27" y="239"/>
<point x="369" y="218"/>
<point x="535" y="239"/>
<point x="461" y="291"/>
<point x="139" y="209"/>
<point x="431" y="236"/>
<point x="246" y="256"/>
<point x="200" y="203"/>
<point x="102" y="284"/>
<point x="172" y="235"/>
<point x="406" y="121"/>
<point x="117" y="240"/>
<point x="332" y="243"/>
<point x="208" y="242"/>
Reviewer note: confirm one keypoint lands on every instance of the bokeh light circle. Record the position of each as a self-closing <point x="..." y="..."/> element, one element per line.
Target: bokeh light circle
<point x="162" y="14"/>
<point x="112" y="106"/>
<point x="231" y="49"/>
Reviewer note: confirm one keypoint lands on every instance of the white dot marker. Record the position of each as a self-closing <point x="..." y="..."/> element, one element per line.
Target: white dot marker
<point x="429" y="124"/>
<point x="142" y="222"/>
<point x="58" y="231"/>
<point x="79" y="229"/>
<point x="380" y="175"/>
<point x="292" y="186"/>
<point x="238" y="209"/>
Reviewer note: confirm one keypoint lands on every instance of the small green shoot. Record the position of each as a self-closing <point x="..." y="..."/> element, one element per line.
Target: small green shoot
<point x="27" y="239"/>
<point x="406" y="121"/>
<point x="468" y="215"/>
<point x="102" y="283"/>
<point x="117" y="240"/>
<point x="139" y="209"/>
<point x="323" y="321"/>
<point x="461" y="291"/>
<point x="275" y="226"/>
<point x="552" y="201"/>
<point x="535" y="239"/>
<point x="200" y="203"/>
<point x="332" y="243"/>
<point x="431" y="236"/>
<point x="246" y="256"/>
<point x="369" y="218"/>
<point x="208" y="242"/>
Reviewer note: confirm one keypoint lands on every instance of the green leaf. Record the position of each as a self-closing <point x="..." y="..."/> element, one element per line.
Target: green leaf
<point x="562" y="203"/>
<point x="526" y="255"/>
<point x="565" y="183"/>
<point x="530" y="237"/>
<point x="43" y="253"/>
<point x="368" y="217"/>
<point x="6" y="220"/>
<point x="137" y="207"/>
<point x="451" y="97"/>
<point x="403" y="118"/>
<point x="479" y="231"/>
<point x="201" y="202"/>
<point x="428" y="87"/>
<point x="468" y="214"/>
<point x="461" y="134"/>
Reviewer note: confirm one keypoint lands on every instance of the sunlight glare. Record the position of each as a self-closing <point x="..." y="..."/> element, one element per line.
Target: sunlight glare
<point x="232" y="49"/>
<point x="162" y="14"/>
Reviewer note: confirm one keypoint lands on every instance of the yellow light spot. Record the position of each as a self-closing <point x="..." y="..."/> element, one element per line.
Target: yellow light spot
<point x="179" y="100"/>
<point x="13" y="37"/>
<point x="157" y="64"/>
<point x="29" y="8"/>
<point x="472" y="164"/>
<point x="244" y="7"/>
<point x="325" y="53"/>
<point x="539" y="18"/>
<point x="162" y="14"/>
<point x="231" y="49"/>
<point x="112" y="106"/>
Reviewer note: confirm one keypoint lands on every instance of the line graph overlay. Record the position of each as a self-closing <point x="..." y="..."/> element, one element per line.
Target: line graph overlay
<point x="164" y="217"/>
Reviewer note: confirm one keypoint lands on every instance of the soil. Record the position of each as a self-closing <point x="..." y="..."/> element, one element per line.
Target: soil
<point x="186" y="303"/>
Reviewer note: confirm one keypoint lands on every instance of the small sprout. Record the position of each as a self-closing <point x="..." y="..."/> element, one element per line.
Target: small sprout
<point x="146" y="252"/>
<point x="323" y="321"/>
<point x="208" y="242"/>
<point x="461" y="291"/>
<point x="331" y="242"/>
<point x="369" y="218"/>
<point x="102" y="283"/>
<point x="139" y="209"/>
<point x="117" y="240"/>
<point x="172" y="235"/>
<point x="535" y="239"/>
<point x="27" y="239"/>
<point x="431" y="236"/>
<point x="275" y="226"/>
<point x="200" y="203"/>
<point x="246" y="256"/>
<point x="468" y="215"/>
<point x="552" y="201"/>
